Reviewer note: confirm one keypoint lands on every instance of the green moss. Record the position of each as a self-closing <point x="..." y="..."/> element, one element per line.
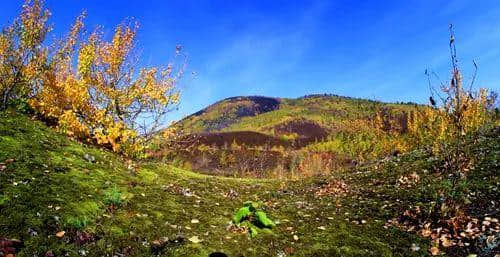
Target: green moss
<point x="116" y="231"/>
<point x="148" y="177"/>
<point x="86" y="208"/>
<point x="54" y="180"/>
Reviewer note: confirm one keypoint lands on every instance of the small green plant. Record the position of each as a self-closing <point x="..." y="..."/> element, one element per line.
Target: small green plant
<point x="254" y="218"/>
<point x="113" y="197"/>
<point x="78" y="222"/>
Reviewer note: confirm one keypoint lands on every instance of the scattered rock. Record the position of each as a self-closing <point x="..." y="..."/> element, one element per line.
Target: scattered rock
<point x="195" y="221"/>
<point x="32" y="232"/>
<point x="414" y="247"/>
<point x="89" y="158"/>
<point x="49" y="254"/>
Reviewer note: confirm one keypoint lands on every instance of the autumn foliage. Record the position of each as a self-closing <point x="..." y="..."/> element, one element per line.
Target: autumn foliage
<point x="91" y="86"/>
<point x="458" y="110"/>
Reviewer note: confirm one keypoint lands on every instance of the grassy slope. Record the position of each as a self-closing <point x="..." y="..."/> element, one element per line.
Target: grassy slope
<point x="50" y="185"/>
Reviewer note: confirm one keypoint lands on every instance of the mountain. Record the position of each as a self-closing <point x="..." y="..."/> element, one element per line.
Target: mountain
<point x="259" y="113"/>
<point x="227" y="112"/>
<point x="344" y="130"/>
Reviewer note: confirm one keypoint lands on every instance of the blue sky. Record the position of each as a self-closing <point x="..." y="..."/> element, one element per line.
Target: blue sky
<point x="370" y="49"/>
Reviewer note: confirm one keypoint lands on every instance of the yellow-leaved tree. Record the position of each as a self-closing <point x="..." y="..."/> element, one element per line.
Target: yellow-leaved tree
<point x="23" y="55"/>
<point x="91" y="87"/>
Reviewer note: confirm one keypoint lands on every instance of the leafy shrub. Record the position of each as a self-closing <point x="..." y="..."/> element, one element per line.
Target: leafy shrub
<point x="113" y="197"/>
<point x="253" y="218"/>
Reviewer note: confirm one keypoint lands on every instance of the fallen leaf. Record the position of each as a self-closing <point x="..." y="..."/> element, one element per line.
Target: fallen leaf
<point x="194" y="221"/>
<point x="194" y="239"/>
<point x="434" y="250"/>
<point x="295" y="237"/>
<point x="60" y="233"/>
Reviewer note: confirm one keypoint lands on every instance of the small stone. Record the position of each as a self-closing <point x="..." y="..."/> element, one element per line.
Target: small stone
<point x="322" y="227"/>
<point x="32" y="232"/>
<point x="89" y="157"/>
<point x="295" y="237"/>
<point x="195" y="221"/>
